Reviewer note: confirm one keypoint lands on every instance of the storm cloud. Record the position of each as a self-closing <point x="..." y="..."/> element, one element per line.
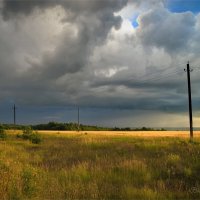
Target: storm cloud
<point x="87" y="53"/>
<point x="160" y="28"/>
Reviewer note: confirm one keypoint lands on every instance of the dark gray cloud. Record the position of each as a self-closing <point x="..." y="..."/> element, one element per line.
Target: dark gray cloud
<point x="89" y="26"/>
<point x="92" y="20"/>
<point x="69" y="53"/>
<point x="171" y="31"/>
<point x="12" y="8"/>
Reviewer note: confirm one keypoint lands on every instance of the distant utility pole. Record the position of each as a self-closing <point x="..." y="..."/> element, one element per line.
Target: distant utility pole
<point x="78" y="120"/>
<point x="14" y="114"/>
<point x="188" y="70"/>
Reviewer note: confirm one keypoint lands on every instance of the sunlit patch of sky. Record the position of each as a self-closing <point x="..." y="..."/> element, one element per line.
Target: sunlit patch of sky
<point x="179" y="6"/>
<point x="134" y="21"/>
<point x="176" y="6"/>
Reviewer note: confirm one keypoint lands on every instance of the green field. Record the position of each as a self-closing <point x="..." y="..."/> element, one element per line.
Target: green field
<point x="86" y="166"/>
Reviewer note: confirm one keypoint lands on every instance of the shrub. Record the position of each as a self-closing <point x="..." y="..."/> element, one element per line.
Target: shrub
<point x="3" y="134"/>
<point x="19" y="135"/>
<point x="36" y="138"/>
<point x="29" y="134"/>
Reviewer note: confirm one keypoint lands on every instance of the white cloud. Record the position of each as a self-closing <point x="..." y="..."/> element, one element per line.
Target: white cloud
<point x="107" y="73"/>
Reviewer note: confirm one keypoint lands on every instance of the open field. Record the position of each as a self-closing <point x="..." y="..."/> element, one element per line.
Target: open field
<point x="184" y="134"/>
<point x="101" y="165"/>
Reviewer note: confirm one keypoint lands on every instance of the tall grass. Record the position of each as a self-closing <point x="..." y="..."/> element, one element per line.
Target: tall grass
<point x="92" y="167"/>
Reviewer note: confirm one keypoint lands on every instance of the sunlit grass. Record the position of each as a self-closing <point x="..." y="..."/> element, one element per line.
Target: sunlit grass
<point x="87" y="166"/>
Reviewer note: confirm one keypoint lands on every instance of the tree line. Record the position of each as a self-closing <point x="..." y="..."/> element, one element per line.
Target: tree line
<point x="72" y="127"/>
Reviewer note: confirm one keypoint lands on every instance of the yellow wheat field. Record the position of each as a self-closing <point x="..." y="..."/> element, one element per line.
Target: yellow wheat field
<point x="184" y="134"/>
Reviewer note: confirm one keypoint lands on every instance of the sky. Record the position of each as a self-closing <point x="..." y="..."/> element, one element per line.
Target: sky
<point x="120" y="61"/>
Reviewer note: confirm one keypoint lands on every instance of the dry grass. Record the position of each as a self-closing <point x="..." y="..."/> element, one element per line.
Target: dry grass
<point x="184" y="134"/>
<point x="100" y="165"/>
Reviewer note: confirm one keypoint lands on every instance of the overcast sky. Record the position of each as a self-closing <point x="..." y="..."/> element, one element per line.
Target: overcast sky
<point x="121" y="61"/>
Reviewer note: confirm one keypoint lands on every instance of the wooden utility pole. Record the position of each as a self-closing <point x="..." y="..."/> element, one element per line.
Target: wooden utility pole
<point x="78" y="120"/>
<point x="14" y="114"/>
<point x="188" y="70"/>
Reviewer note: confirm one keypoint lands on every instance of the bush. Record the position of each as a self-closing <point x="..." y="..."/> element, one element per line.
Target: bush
<point x="19" y="135"/>
<point x="3" y="134"/>
<point x="29" y="134"/>
<point x="36" y="138"/>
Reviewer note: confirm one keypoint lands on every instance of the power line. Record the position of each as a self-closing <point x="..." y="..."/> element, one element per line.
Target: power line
<point x="163" y="70"/>
<point x="163" y="75"/>
<point x="155" y="75"/>
<point x="156" y="78"/>
<point x="196" y="68"/>
<point x="140" y="80"/>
